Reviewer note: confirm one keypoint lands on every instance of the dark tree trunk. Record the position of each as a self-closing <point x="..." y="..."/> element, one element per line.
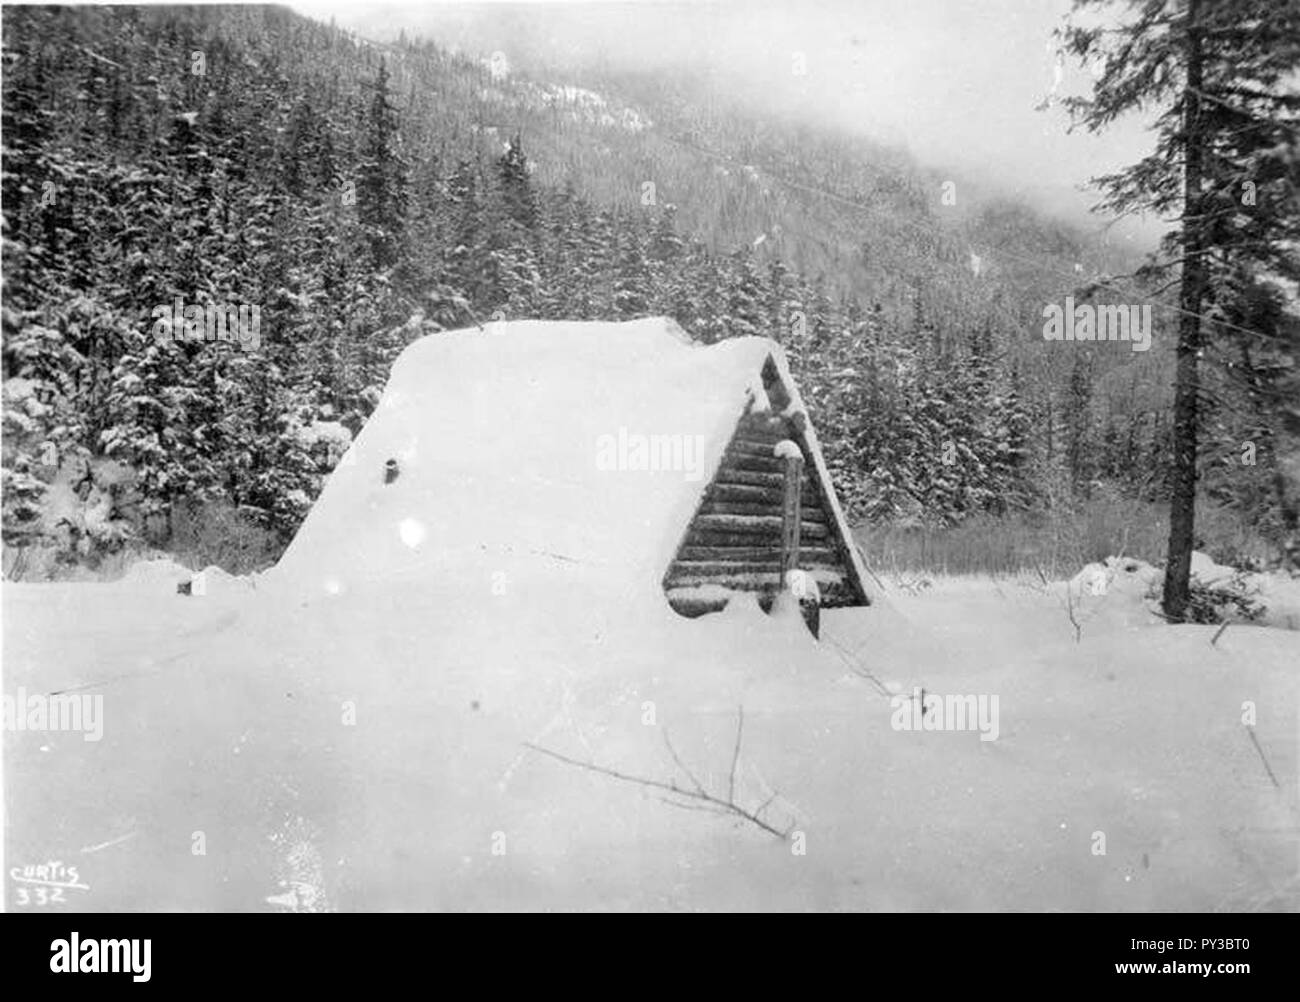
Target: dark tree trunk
<point x="1182" y="503"/>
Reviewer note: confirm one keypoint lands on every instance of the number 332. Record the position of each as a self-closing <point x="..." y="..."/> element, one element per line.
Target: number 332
<point x="40" y="895"/>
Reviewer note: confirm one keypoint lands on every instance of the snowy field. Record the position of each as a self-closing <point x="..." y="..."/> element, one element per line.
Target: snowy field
<point x="406" y="711"/>
<point x="357" y="753"/>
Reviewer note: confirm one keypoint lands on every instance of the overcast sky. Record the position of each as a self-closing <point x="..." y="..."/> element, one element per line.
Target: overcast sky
<point x="955" y="82"/>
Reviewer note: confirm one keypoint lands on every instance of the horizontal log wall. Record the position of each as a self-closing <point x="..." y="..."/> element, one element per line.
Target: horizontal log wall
<point x="734" y="540"/>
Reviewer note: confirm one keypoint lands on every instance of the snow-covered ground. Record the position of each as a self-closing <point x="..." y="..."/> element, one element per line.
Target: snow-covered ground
<point x="375" y="723"/>
<point x="322" y="754"/>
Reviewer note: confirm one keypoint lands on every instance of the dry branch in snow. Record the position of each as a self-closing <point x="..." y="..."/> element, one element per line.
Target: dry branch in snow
<point x="703" y="799"/>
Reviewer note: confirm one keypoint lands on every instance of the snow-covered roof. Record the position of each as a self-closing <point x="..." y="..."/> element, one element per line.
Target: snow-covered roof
<point x="513" y="445"/>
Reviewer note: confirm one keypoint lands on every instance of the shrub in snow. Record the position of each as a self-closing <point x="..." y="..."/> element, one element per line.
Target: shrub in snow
<point x="1230" y="599"/>
<point x="1218" y="594"/>
<point x="217" y="532"/>
<point x="81" y="517"/>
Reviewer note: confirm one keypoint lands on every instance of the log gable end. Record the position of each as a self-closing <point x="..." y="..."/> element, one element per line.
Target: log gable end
<point x="734" y="540"/>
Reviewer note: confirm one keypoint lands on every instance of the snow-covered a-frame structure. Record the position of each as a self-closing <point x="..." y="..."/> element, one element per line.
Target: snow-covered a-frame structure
<point x="622" y="461"/>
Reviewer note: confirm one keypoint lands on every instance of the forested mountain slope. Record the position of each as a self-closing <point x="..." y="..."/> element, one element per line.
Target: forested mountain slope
<point x="352" y="196"/>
